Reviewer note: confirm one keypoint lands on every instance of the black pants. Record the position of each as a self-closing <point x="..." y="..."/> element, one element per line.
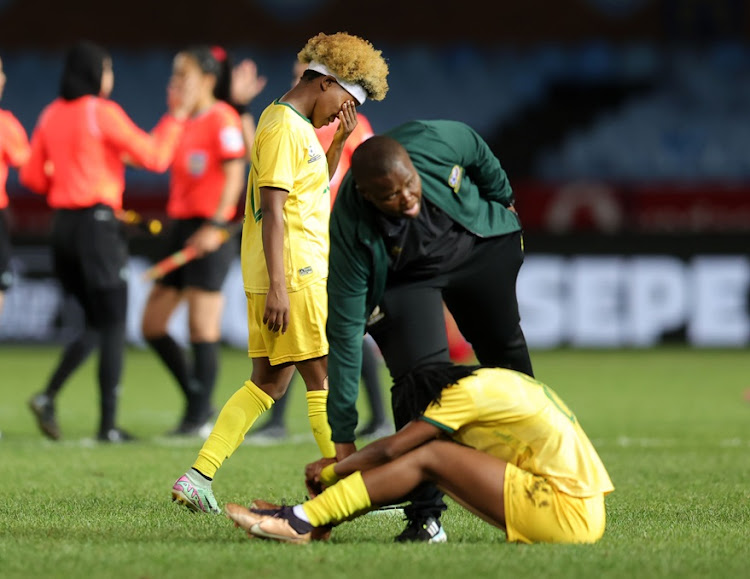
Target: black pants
<point x="90" y="256"/>
<point x="481" y="295"/>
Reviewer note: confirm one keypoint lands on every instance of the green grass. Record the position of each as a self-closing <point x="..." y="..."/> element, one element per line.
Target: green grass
<point x="671" y="425"/>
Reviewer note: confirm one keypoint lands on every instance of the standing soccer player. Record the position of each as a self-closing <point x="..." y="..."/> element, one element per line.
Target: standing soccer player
<point x="285" y="248"/>
<point x="77" y="152"/>
<point x="274" y="428"/>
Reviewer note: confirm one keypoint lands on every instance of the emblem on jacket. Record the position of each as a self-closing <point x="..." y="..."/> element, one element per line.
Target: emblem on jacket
<point x="455" y="178"/>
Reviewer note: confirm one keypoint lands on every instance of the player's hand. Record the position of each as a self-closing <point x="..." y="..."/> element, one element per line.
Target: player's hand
<point x="344" y="449"/>
<point x="312" y="475"/>
<point x="246" y="84"/>
<point x="276" y="314"/>
<point x="207" y="239"/>
<point x="347" y="121"/>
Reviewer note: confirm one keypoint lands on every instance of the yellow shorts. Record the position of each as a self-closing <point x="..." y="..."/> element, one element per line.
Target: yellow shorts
<point x="305" y="338"/>
<point x="536" y="512"/>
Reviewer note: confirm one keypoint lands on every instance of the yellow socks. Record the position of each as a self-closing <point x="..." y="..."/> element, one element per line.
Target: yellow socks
<point x="235" y="419"/>
<point x="344" y="500"/>
<point x="318" y="415"/>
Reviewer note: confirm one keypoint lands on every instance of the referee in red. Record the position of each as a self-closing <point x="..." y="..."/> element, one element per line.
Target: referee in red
<point x="78" y="152"/>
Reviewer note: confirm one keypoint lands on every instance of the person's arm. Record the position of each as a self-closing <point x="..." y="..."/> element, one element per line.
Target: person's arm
<point x="349" y="271"/>
<point x="276" y="314"/>
<point x="347" y="123"/>
<point x="154" y="151"/>
<point x="381" y="451"/>
<point x="17" y="148"/>
<point x="34" y="174"/>
<point x="212" y="234"/>
<point x="245" y="86"/>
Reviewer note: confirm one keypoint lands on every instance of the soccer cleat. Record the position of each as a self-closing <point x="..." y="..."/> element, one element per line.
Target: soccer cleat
<point x="43" y="408"/>
<point x="268" y="434"/>
<point x="115" y="436"/>
<point x="186" y="428"/>
<point x="284" y="527"/>
<point x="261" y="505"/>
<point x="198" y="498"/>
<point x="423" y="530"/>
<point x="245" y="518"/>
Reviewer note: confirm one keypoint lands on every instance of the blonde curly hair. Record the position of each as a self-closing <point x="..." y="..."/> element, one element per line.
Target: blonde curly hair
<point x="350" y="58"/>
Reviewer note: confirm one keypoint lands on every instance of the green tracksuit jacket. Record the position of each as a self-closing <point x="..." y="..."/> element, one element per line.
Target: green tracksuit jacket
<point x="462" y="177"/>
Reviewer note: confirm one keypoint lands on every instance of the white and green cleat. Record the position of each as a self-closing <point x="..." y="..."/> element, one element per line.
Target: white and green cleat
<point x="195" y="496"/>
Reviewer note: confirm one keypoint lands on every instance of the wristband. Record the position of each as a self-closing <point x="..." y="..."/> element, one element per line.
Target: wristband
<point x="328" y="476"/>
<point x="217" y="223"/>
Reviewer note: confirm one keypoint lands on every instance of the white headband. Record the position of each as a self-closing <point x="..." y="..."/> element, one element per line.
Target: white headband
<point x="354" y="89"/>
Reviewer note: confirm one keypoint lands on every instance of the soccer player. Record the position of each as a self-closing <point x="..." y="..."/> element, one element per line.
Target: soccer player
<point x="285" y="247"/>
<point x="503" y="445"/>
<point x="424" y="218"/>
<point x="14" y="151"/>
<point x="77" y="152"/>
<point x="379" y="425"/>
<point x="207" y="178"/>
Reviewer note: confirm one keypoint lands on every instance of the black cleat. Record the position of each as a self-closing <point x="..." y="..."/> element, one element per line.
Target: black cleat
<point x="423" y="530"/>
<point x="43" y="408"/>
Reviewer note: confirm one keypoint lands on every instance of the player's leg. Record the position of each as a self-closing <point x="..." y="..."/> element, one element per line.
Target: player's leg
<point x="204" y="313"/>
<point x="6" y="275"/>
<point x="274" y="428"/>
<point x="161" y="304"/>
<point x="204" y="278"/>
<point x="267" y="383"/>
<point x="485" y="306"/>
<point x="107" y="314"/>
<point x="240" y="412"/>
<point x="103" y="252"/>
<point x="70" y="275"/>
<point x="315" y="375"/>
<point x="411" y="332"/>
<point x="473" y="478"/>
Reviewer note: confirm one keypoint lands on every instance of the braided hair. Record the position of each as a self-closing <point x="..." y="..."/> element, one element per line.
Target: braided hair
<point x="416" y="390"/>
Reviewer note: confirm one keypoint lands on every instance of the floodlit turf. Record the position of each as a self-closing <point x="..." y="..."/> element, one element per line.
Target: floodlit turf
<point x="672" y="426"/>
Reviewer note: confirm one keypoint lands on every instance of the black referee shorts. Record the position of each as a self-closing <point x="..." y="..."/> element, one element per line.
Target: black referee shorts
<point x="90" y="255"/>
<point x="6" y="275"/>
<point x="206" y="273"/>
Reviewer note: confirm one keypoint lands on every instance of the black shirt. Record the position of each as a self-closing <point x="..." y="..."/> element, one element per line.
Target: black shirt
<point x="425" y="246"/>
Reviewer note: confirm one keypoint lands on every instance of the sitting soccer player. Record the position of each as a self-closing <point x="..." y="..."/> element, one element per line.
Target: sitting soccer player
<point x="522" y="463"/>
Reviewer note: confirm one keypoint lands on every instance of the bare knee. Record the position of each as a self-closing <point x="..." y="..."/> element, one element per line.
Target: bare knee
<point x="430" y="458"/>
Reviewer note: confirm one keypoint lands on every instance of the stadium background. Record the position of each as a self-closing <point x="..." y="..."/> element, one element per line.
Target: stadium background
<point x="624" y="126"/>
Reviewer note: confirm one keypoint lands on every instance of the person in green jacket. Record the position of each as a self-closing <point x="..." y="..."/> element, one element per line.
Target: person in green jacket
<point x="424" y="216"/>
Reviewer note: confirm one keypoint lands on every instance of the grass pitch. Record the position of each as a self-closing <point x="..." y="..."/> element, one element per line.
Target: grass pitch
<point x="672" y="426"/>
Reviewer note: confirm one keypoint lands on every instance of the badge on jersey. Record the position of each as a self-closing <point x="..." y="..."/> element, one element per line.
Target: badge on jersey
<point x="455" y="178"/>
<point x="231" y="140"/>
<point x="197" y="161"/>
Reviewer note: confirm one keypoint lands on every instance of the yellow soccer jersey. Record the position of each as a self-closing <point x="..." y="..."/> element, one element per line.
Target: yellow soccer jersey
<point x="287" y="154"/>
<point x="521" y="421"/>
